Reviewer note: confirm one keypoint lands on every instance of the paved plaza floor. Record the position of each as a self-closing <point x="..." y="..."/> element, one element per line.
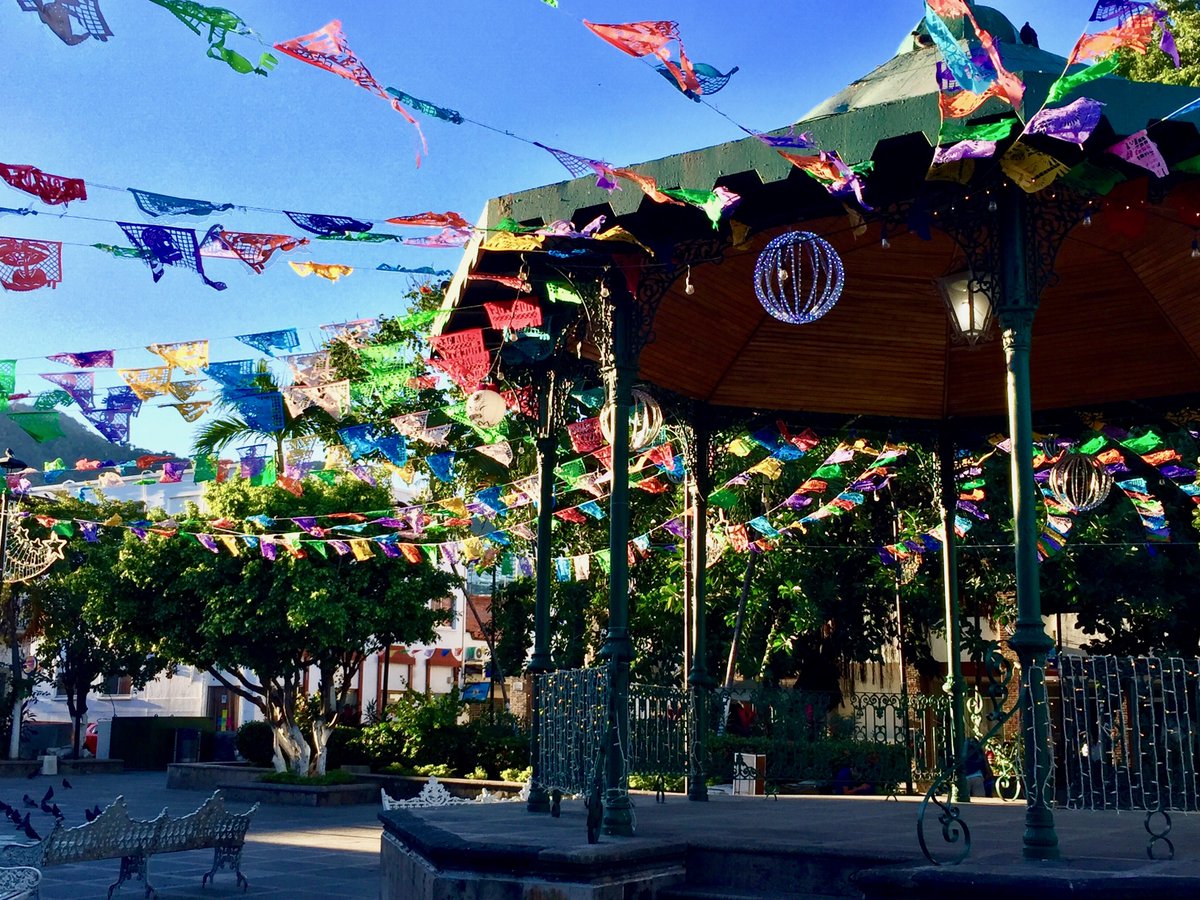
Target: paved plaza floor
<point x="295" y="852"/>
<point x="306" y="853"/>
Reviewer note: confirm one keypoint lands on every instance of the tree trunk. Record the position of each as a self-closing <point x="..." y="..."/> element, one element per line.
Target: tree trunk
<point x="319" y="758"/>
<point x="78" y="708"/>
<point x="738" y="622"/>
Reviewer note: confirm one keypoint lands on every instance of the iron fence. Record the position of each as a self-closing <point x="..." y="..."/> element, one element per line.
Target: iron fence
<point x="804" y="735"/>
<point x="659" y="726"/>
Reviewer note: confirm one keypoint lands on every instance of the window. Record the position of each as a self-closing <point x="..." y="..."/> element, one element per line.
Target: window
<point x="116" y="686"/>
<point x="446" y="604"/>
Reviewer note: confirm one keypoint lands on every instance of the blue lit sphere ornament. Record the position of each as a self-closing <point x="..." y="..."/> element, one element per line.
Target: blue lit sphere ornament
<point x="798" y="277"/>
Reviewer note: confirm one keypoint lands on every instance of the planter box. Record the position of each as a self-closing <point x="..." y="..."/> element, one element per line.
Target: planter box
<point x="301" y="795"/>
<point x="209" y="776"/>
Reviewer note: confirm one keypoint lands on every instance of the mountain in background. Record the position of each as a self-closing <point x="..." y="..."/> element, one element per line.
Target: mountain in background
<point x="78" y="442"/>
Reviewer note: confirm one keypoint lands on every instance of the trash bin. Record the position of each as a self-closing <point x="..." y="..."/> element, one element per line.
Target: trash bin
<point x="224" y="746"/>
<point x="187" y="745"/>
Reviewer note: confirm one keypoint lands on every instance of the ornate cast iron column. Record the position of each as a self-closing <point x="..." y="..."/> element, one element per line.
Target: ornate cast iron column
<point x="1011" y="240"/>
<point x="619" y="349"/>
<point x="954" y="685"/>
<point x="552" y="402"/>
<point x="1020" y="293"/>
<point x="699" y="463"/>
<point x="624" y="320"/>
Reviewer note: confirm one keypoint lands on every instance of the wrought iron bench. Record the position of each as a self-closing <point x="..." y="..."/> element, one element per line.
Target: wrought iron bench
<point x="19" y="883"/>
<point x="114" y="835"/>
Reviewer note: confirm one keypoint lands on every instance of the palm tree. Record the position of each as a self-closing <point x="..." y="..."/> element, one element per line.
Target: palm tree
<point x="232" y="428"/>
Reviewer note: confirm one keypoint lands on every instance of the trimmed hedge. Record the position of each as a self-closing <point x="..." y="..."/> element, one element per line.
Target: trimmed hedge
<point x="883" y="765"/>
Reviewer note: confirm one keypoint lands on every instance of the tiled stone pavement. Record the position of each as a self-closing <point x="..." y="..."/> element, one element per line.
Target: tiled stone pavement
<point x="294" y="852"/>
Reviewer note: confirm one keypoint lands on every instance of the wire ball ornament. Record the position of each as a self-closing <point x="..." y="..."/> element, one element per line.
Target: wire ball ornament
<point x="798" y="277"/>
<point x="645" y="420"/>
<point x="1078" y="482"/>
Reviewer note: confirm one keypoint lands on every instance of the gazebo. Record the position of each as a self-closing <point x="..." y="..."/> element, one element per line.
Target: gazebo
<point x="1088" y="276"/>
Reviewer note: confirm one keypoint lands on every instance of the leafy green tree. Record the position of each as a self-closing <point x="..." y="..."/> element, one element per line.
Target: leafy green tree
<point x="75" y="639"/>
<point x="257" y="625"/>
<point x="1157" y="66"/>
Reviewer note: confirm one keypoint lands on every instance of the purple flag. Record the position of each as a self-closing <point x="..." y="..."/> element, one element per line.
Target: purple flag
<point x="1074" y="122"/>
<point x="207" y="542"/>
<point x="92" y="359"/>
<point x="1140" y="150"/>
<point x="964" y="150"/>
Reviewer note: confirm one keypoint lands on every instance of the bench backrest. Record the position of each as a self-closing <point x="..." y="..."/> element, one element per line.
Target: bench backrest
<point x="111" y="834"/>
<point x="114" y="834"/>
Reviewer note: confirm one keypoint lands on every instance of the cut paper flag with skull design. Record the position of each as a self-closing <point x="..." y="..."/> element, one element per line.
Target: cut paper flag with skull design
<point x="163" y="246"/>
<point x="27" y="265"/>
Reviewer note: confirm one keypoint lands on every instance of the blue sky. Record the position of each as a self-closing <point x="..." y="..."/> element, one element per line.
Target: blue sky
<point x="147" y="109"/>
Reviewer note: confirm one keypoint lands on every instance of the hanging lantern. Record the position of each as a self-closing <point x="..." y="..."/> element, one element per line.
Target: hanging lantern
<point x="970" y="309"/>
<point x="1078" y="482"/>
<point x="645" y="420"/>
<point x="485" y="408"/>
<point x="798" y="277"/>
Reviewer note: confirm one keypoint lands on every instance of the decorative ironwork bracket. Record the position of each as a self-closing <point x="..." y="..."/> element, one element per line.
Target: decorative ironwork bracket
<point x="652" y="284"/>
<point x="973" y="220"/>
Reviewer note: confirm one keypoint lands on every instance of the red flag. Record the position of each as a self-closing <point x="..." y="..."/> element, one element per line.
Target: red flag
<point x="328" y="49"/>
<point x="650" y="39"/>
<point x="51" y="189"/>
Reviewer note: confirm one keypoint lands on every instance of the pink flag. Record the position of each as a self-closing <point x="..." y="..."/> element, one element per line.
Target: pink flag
<point x="327" y="49"/>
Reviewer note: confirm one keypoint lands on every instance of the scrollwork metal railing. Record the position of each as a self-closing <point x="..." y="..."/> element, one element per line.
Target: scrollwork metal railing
<point x="955" y="832"/>
<point x="659" y="727"/>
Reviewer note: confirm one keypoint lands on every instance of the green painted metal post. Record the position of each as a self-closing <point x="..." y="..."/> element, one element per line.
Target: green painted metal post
<point x="540" y="662"/>
<point x="955" y="686"/>
<point x="698" y="681"/>
<point x="1016" y="310"/>
<point x="620" y="371"/>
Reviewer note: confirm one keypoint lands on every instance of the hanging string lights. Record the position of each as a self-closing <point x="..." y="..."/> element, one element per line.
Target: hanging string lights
<point x="798" y="277"/>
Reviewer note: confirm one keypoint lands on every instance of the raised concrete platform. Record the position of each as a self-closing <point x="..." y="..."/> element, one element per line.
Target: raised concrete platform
<point x="750" y="847"/>
<point x="210" y="776"/>
<point x="301" y="794"/>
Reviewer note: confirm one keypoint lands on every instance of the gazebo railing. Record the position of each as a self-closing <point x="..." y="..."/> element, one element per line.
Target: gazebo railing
<point x="919" y="721"/>
<point x="1131" y="737"/>
<point x="573" y="729"/>
<point x="659" y="726"/>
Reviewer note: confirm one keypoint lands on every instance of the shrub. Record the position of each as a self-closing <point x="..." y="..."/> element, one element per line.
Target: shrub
<point x="337" y="776"/>
<point x="345" y="749"/>
<point x="517" y="776"/>
<point x="883" y="765"/>
<point x="672" y="784"/>
<point x="256" y="742"/>
<point x="425" y="731"/>
<point x="477" y="774"/>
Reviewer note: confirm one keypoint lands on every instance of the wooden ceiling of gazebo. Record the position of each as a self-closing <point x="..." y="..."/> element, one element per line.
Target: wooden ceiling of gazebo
<point x="1122" y="321"/>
